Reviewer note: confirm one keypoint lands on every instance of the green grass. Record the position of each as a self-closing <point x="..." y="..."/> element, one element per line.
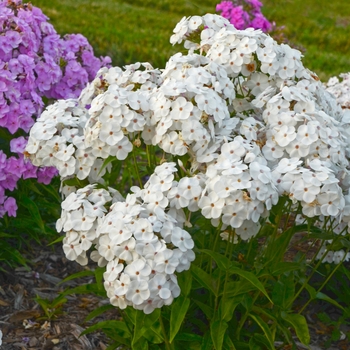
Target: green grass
<point x="136" y="30"/>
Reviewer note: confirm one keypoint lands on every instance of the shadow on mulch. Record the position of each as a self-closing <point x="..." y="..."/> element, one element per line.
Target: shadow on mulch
<point x="23" y="321"/>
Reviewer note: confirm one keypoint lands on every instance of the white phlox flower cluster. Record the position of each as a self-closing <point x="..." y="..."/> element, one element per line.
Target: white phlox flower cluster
<point x="340" y="88"/>
<point x="253" y="124"/>
<point x="57" y="139"/>
<point x="330" y="256"/>
<point x="140" y="241"/>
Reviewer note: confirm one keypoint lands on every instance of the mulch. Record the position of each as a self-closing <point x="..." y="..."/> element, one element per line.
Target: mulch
<point x="23" y="321"/>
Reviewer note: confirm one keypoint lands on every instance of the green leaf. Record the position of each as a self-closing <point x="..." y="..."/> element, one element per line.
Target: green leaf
<point x="317" y="233"/>
<point x="204" y="279"/>
<point x="188" y="337"/>
<point x="34" y="212"/>
<point x="227" y="307"/>
<point x="264" y="311"/>
<point x="207" y="343"/>
<point x="247" y="302"/>
<point x="130" y="314"/>
<point x="139" y="329"/>
<point x="228" y="344"/>
<point x="325" y="297"/>
<point x="142" y="344"/>
<point x="100" y="310"/>
<point x="113" y="346"/>
<point x="283" y="291"/>
<point x="241" y="345"/>
<point x="237" y="288"/>
<point x="85" y="289"/>
<point x="75" y="182"/>
<point x="154" y="334"/>
<point x="283" y="266"/>
<point x="59" y="239"/>
<point x="319" y="295"/>
<point x="143" y="323"/>
<point x="345" y="242"/>
<point x="260" y="339"/>
<point x="106" y="162"/>
<point x="57" y="302"/>
<point x="299" y="323"/>
<point x="217" y="331"/>
<point x="222" y="261"/>
<point x="77" y="275"/>
<point x="184" y="280"/>
<point x="118" y="328"/>
<point x="205" y="308"/>
<point x="276" y="249"/>
<point x="52" y="190"/>
<point x="251" y="278"/>
<point x="311" y="290"/>
<point x="178" y="312"/>
<point x="99" y="278"/>
<point x="253" y="345"/>
<point x="277" y="210"/>
<point x="265" y="328"/>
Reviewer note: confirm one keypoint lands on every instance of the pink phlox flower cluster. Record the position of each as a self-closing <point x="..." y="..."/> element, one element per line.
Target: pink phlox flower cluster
<point x="244" y="14"/>
<point x="35" y="63"/>
<point x="14" y="168"/>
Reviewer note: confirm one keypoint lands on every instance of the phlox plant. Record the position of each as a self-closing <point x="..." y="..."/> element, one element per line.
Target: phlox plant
<point x="340" y="88"/>
<point x="37" y="66"/>
<point x="185" y="185"/>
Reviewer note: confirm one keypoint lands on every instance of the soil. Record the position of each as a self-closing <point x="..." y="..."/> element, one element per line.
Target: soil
<point x="25" y="326"/>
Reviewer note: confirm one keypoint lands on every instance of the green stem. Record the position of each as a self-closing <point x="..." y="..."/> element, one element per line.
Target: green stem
<point x="246" y="314"/>
<point x="136" y="169"/>
<point x="324" y="283"/>
<point x="126" y="320"/>
<point x="148" y="155"/>
<point x="308" y="278"/>
<point x="228" y="254"/>
<point x="168" y="345"/>
<point x="213" y="246"/>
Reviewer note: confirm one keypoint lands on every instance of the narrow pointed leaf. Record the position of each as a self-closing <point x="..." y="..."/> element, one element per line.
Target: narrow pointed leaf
<point x="100" y="310"/>
<point x="217" y="331"/>
<point x="325" y="297"/>
<point x="178" y="313"/>
<point x="251" y="278"/>
<point x="265" y="328"/>
<point x="299" y="323"/>
<point x="203" y="278"/>
<point x="222" y="261"/>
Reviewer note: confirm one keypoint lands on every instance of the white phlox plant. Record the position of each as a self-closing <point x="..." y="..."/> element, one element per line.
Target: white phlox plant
<point x="250" y="123"/>
<point x="340" y="88"/>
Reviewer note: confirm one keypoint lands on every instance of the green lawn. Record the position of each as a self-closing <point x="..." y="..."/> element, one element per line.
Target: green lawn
<point x="136" y="30"/>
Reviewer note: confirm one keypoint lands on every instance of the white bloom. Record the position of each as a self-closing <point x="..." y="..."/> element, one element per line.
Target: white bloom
<point x="138" y="270"/>
<point x="182" y="239"/>
<point x="72" y="249"/>
<point x="211" y="205"/>
<point x="137" y="292"/>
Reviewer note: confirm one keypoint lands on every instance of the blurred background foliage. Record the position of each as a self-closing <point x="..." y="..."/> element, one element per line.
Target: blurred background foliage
<point x="139" y="30"/>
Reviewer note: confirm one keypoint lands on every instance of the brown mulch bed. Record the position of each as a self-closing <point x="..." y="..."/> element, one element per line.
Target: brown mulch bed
<point x="22" y="319"/>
